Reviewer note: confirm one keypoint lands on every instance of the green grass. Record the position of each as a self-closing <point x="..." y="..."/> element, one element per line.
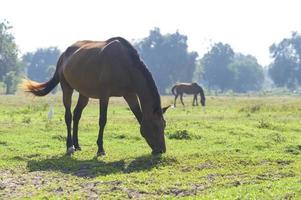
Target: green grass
<point x="240" y="148"/>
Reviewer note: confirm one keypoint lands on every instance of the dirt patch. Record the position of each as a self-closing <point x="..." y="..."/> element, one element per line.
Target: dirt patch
<point x="239" y="183"/>
<point x="131" y="193"/>
<point x="84" y="171"/>
<point x="206" y="165"/>
<point x="27" y="184"/>
<point x="91" y="189"/>
<point x="275" y="176"/>
<point x="292" y="149"/>
<point x="284" y="162"/>
<point x="180" y="192"/>
<point x="134" y="194"/>
<point x="235" y="179"/>
<point x="12" y="184"/>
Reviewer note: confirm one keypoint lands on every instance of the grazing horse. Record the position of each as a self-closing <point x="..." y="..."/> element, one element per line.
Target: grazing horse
<point x="101" y="69"/>
<point x="188" y="88"/>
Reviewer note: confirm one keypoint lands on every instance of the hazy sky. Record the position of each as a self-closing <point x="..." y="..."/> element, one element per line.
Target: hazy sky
<point x="249" y="26"/>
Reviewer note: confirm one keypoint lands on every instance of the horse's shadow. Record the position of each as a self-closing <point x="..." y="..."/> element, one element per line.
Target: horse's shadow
<point x="94" y="167"/>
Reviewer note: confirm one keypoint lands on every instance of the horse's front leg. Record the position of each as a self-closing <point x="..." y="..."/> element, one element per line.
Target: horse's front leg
<point x="102" y="123"/>
<point x="133" y="102"/>
<point x="181" y="98"/>
<point x="175" y="101"/>
<point x="196" y="100"/>
<point x="193" y="100"/>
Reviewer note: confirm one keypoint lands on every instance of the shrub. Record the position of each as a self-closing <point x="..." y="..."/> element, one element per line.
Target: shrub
<point x="179" y="135"/>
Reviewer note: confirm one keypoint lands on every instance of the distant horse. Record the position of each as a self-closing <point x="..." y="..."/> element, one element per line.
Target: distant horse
<point x="101" y="69"/>
<point x="188" y="88"/>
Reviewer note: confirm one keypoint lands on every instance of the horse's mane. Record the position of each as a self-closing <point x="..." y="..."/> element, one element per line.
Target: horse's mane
<point x="140" y="65"/>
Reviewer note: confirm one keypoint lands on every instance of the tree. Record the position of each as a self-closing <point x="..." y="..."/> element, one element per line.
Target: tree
<point x="167" y="57"/>
<point x="286" y="67"/>
<point x="10" y="79"/>
<point x="216" y="71"/>
<point x="40" y="65"/>
<point x="9" y="65"/>
<point x="248" y="73"/>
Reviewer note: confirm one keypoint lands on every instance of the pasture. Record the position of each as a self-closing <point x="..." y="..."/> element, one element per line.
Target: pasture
<point x="241" y="148"/>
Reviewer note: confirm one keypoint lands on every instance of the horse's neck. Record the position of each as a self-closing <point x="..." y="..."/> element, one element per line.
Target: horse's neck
<point x="146" y="100"/>
<point x="145" y="95"/>
<point x="202" y="93"/>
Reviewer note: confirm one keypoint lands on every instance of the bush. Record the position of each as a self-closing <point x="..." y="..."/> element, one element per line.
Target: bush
<point x="179" y="135"/>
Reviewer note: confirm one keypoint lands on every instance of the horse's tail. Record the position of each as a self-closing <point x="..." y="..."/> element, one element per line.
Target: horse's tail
<point x="173" y="90"/>
<point x="42" y="89"/>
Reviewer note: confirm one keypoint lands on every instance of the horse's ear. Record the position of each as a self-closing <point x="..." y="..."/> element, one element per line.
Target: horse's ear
<point x="165" y="108"/>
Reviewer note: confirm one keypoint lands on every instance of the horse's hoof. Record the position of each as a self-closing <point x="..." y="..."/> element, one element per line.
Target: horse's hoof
<point x="78" y="148"/>
<point x="70" y="151"/>
<point x="101" y="153"/>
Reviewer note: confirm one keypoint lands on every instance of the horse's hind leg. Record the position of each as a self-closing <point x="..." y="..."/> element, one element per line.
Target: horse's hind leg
<point x="102" y="123"/>
<point x="181" y="98"/>
<point x="67" y="97"/>
<point x="81" y="104"/>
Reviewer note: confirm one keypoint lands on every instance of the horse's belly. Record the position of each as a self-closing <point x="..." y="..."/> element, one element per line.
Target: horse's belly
<point x="97" y="84"/>
<point x="189" y="92"/>
<point x="86" y="88"/>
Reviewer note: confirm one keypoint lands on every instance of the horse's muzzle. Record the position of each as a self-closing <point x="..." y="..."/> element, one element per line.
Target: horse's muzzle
<point x="157" y="152"/>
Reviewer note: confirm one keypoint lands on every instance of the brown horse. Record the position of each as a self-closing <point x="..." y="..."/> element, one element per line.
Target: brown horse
<point x="188" y="88"/>
<point x="101" y="69"/>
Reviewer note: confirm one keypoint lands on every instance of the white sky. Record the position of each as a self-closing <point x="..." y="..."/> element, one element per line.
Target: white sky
<point x="249" y="26"/>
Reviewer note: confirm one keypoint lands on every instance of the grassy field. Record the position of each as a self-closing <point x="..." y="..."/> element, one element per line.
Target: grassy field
<point x="240" y="148"/>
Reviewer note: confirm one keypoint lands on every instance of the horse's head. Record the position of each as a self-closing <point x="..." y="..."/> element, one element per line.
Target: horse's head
<point x="203" y="100"/>
<point x="152" y="129"/>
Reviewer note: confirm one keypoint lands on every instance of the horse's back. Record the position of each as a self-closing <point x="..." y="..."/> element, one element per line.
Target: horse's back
<point x="188" y="88"/>
<point x="95" y="68"/>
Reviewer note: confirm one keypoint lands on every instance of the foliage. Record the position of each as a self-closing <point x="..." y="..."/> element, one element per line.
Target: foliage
<point x="217" y="73"/>
<point x="10" y="80"/>
<point x="239" y="154"/>
<point x="222" y="68"/>
<point x="167" y="57"/>
<point x="41" y="64"/>
<point x="247" y="72"/>
<point x="286" y="67"/>
<point x="9" y="64"/>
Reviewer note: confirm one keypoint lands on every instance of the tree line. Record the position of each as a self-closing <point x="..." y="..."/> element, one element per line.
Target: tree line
<point x="168" y="58"/>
